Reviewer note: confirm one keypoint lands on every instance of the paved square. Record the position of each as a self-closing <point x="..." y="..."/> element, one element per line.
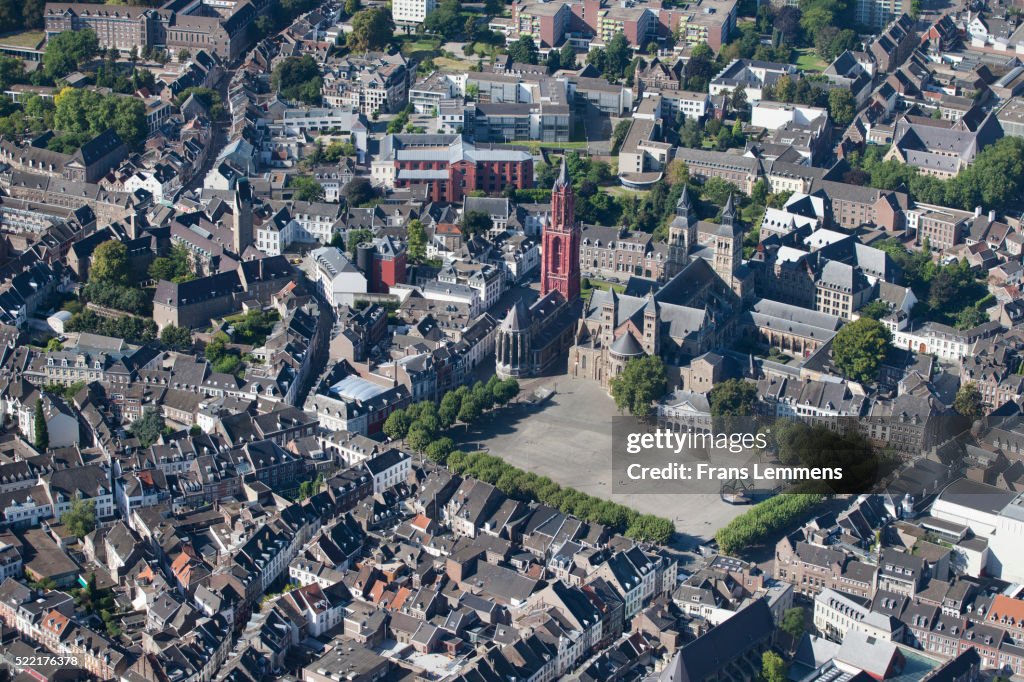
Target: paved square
<point x="569" y="439"/>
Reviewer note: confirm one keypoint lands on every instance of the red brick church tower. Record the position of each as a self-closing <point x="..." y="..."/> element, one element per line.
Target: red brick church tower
<point x="560" y="270"/>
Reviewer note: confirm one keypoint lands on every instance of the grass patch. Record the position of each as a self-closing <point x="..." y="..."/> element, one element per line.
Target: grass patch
<point x="29" y="39"/>
<point x="536" y="146"/>
<point x="588" y="284"/>
<point x="807" y="60"/>
<point x="421" y="45"/>
<point x="453" y="65"/>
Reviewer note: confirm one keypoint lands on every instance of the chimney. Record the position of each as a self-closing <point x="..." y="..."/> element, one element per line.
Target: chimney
<point x="992" y="216"/>
<point x="977" y="211"/>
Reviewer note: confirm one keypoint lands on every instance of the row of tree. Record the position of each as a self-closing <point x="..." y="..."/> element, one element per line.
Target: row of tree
<point x="765" y="519"/>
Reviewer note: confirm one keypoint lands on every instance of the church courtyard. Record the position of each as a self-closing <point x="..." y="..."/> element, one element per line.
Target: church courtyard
<point x="569" y="439"/>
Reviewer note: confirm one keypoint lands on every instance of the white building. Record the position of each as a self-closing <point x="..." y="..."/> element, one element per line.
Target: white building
<point x="411" y="11"/>
<point x="336" y="277"/>
<point x="774" y="115"/>
<point x="992" y="514"/>
<point x="388" y="469"/>
<point x="835" y="614"/>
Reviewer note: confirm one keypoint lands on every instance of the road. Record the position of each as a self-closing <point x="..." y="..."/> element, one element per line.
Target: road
<point x="220" y="134"/>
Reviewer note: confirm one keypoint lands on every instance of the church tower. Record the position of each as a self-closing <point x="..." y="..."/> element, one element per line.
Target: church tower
<point x="682" y="236"/>
<point x="560" y="267"/>
<point x="728" y="253"/>
<point x="241" y="214"/>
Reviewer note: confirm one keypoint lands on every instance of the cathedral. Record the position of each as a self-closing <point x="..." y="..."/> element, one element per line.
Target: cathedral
<point x="696" y="309"/>
<point x="530" y="341"/>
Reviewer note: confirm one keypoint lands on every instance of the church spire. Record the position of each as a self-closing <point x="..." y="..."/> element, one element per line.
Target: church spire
<point x="729" y="211"/>
<point x="563" y="176"/>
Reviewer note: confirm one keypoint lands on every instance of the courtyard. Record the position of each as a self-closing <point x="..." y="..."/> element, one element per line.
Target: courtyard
<point x="569" y="439"/>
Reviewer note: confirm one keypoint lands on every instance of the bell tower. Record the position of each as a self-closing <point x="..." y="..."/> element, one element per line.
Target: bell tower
<point x="560" y="267"/>
<point x="682" y="235"/>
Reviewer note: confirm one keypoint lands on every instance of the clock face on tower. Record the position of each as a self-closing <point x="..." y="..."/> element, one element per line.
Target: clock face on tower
<point x="560" y="267"/>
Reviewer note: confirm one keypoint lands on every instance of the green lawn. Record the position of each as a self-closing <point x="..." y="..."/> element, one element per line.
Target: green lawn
<point x="423" y="45"/>
<point x="31" y="39"/>
<point x="807" y="60"/>
<point x="535" y="146"/>
<point x="455" y="65"/>
<point x="599" y="284"/>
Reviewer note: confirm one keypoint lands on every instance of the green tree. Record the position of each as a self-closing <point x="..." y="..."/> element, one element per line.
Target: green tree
<point x="149" y="427"/>
<point x="67" y="50"/>
<point x="298" y="78"/>
<point x="372" y="29"/>
<point x="733" y="398"/>
<point x="617" y="55"/>
<point x="619" y="134"/>
<point x="42" y="431"/>
<point x="438" y="450"/>
<point x="176" y="338"/>
<point x="524" y="50"/>
<point x="184" y="55"/>
<point x="351" y="7"/>
<point x="176" y="266"/>
<point x="358" y="192"/>
<point x="475" y="222"/>
<point x="841" y="106"/>
<point x="642" y="381"/>
<point x="968" y="401"/>
<point x="793" y="622"/>
<point x="567" y="56"/>
<point x="859" y="348"/>
<point x="773" y="668"/>
<point x="54" y="345"/>
<point x="396" y="426"/>
<point x="417" y="238"/>
<point x="470" y="409"/>
<point x="876" y="309"/>
<point x="306" y="188"/>
<point x="80" y="519"/>
<point x="110" y="264"/>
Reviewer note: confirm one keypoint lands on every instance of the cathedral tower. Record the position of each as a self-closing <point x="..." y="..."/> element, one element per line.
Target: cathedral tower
<point x="560" y="267"/>
<point x="728" y="253"/>
<point x="682" y="236"/>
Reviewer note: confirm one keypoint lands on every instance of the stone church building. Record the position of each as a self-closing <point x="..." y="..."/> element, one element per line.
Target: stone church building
<point x="695" y="311"/>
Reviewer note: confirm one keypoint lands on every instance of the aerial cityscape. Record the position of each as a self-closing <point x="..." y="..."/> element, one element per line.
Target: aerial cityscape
<point x="591" y="340"/>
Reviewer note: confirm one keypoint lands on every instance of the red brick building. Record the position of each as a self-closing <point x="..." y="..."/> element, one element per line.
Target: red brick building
<point x="560" y="269"/>
<point x="451" y="167"/>
<point x="389" y="259"/>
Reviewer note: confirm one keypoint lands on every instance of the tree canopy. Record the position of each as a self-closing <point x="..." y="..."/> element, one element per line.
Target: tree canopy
<point x="149" y="427"/>
<point x="642" y="381"/>
<point x="67" y="50"/>
<point x="80" y="519"/>
<point x="84" y="112"/>
<point x="372" y="29"/>
<point x="298" y="78"/>
<point x="859" y="349"/>
<point x="968" y="401"/>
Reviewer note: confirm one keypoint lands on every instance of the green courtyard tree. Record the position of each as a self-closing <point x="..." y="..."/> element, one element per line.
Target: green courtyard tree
<point x="793" y="622"/>
<point x="642" y="381"/>
<point x="110" y="264"/>
<point x="968" y="401"/>
<point x="475" y="222"/>
<point x="80" y="520"/>
<point x="733" y="398"/>
<point x="417" y="238"/>
<point x="176" y="338"/>
<point x="42" y="432"/>
<point x="859" y="349"/>
<point x="148" y="427"/>
<point x="773" y="668"/>
<point x="306" y="188"/>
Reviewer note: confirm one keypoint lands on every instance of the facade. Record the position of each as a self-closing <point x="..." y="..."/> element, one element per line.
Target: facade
<point x="412" y="12"/>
